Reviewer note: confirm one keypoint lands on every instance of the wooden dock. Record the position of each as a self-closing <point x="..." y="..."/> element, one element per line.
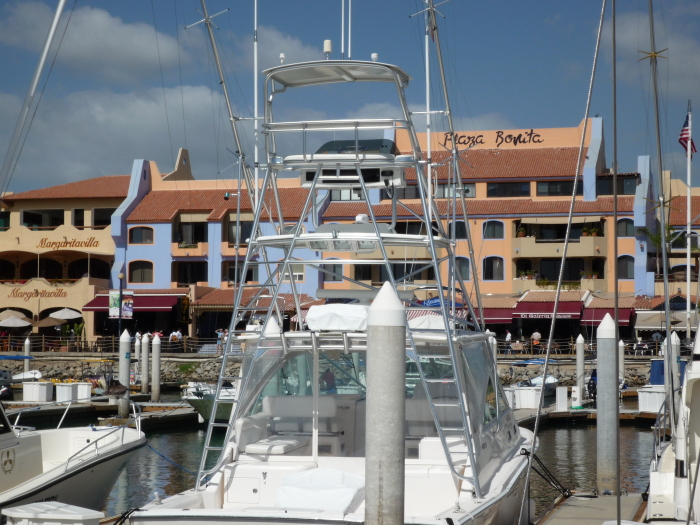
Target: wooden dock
<point x="586" y="509"/>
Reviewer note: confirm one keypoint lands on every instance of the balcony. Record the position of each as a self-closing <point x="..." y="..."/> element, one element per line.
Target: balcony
<point x="583" y="247"/>
<point x="195" y="249"/>
<point x="523" y="285"/>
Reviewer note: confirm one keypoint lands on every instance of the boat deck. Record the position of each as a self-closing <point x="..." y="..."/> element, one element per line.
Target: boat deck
<point x="594" y="510"/>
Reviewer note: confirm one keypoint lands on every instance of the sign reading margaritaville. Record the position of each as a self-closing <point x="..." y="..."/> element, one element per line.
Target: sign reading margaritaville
<point x="92" y="242"/>
<point x="59" y="293"/>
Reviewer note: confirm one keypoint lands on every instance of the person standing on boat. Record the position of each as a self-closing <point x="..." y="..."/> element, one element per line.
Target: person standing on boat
<point x="509" y="348"/>
<point x="328" y="378"/>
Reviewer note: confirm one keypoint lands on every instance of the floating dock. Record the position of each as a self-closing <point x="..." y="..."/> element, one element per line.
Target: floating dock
<point x="587" y="509"/>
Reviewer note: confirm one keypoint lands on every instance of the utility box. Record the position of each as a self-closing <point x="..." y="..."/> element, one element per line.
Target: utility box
<point x="651" y="397"/>
<point x="66" y="391"/>
<point x="527" y="396"/>
<point x="84" y="392"/>
<point x="52" y="512"/>
<point x="576" y="400"/>
<point x="562" y="399"/>
<point x="42" y="392"/>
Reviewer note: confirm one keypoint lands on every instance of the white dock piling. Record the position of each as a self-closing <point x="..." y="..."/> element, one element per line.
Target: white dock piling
<point x="137" y="354"/>
<point x="145" y="377"/>
<point x="580" y="362"/>
<point x="675" y="367"/>
<point x="27" y="352"/>
<point x="124" y="372"/>
<point x="386" y="384"/>
<point x="155" y="372"/>
<point x="608" y="407"/>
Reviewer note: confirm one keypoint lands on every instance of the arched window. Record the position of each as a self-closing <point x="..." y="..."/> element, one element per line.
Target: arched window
<point x="463" y="264"/>
<point x="493" y="269"/>
<point x="493" y="230"/>
<point x="7" y="270"/>
<point x="140" y="272"/>
<point x="141" y="235"/>
<point x="336" y="276"/>
<point x="625" y="267"/>
<point x="98" y="269"/>
<point x="48" y="269"/>
<point x="625" y="228"/>
<point x="460" y="230"/>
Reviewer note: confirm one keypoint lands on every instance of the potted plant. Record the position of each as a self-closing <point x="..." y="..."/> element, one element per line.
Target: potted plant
<point x="522" y="274"/>
<point x="521" y="231"/>
<point x="594" y="275"/>
<point x="584" y="232"/>
<point x="531" y="274"/>
<point x="594" y="232"/>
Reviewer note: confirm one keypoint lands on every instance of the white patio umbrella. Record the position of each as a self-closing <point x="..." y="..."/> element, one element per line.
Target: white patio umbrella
<point x="6" y="314"/>
<point x="66" y="313"/>
<point x="14" y="322"/>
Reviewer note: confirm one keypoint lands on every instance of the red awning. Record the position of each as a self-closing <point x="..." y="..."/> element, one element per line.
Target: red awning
<point x="142" y="303"/>
<point x="496" y="315"/>
<point x="593" y="316"/>
<point x="566" y="310"/>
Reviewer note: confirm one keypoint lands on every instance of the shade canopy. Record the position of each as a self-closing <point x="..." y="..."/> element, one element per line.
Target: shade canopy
<point x="545" y="310"/>
<point x="14" y="322"/>
<point x="49" y="321"/>
<point x="67" y="313"/>
<point x="142" y="303"/>
<point x="593" y="316"/>
<point x="6" y="314"/>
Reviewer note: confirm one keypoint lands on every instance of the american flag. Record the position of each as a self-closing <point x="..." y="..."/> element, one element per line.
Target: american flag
<point x="683" y="139"/>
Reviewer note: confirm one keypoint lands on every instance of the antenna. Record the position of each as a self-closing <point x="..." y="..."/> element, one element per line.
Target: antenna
<point x="375" y="57"/>
<point x="282" y="57"/>
<point x="327" y="48"/>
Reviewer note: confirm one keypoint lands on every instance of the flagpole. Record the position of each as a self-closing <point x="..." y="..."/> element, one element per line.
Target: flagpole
<point x="688" y="238"/>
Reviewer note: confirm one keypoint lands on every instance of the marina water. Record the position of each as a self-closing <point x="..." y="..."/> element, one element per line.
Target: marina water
<point x="567" y="449"/>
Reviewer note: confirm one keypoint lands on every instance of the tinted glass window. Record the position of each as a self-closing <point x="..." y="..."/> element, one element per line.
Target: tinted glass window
<point x="141" y="272"/>
<point x="508" y="189"/>
<point x="625" y="267"/>
<point x="493" y="230"/>
<point x="141" y="235"/>
<point x="625" y="228"/>
<point x="493" y="269"/>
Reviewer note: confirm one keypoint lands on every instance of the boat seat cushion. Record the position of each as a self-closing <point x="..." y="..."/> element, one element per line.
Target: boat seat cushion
<point x="277" y="445"/>
<point x="325" y="489"/>
<point x="294" y="414"/>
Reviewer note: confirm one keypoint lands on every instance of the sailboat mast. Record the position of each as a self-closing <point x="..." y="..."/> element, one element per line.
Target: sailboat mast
<point x="671" y="365"/>
<point x="9" y="160"/>
<point x="688" y="238"/>
<point x="256" y="157"/>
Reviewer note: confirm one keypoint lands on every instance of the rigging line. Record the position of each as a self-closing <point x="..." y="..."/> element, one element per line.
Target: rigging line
<point x="162" y="83"/>
<point x="579" y="162"/>
<point x="36" y="108"/>
<point x="179" y="65"/>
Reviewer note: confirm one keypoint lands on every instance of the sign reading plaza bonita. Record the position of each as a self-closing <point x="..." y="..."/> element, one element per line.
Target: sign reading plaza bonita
<point x="43" y="294"/>
<point x="92" y="242"/>
<point x="500" y="138"/>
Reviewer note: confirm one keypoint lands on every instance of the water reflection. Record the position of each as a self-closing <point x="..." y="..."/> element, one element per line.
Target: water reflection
<point x="569" y="452"/>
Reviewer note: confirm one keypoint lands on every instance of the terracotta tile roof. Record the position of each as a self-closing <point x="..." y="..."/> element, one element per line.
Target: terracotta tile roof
<point x="111" y="186"/>
<point x="155" y="291"/>
<point x="678" y="207"/>
<point x="497" y="302"/>
<point x="642" y="302"/>
<point x="657" y="302"/>
<point x="491" y="164"/>
<point x="623" y="302"/>
<point x="164" y="205"/>
<point x="224" y="299"/>
<point x="547" y="296"/>
<point x="488" y="207"/>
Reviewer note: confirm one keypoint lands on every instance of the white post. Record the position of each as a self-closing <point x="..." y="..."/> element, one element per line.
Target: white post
<point x="155" y="372"/>
<point x="124" y="372"/>
<point x="144" y="364"/>
<point x="580" y="362"/>
<point x="137" y="355"/>
<point x="608" y="408"/>
<point x="675" y="367"/>
<point x="621" y="359"/>
<point x="27" y="352"/>
<point x="386" y="402"/>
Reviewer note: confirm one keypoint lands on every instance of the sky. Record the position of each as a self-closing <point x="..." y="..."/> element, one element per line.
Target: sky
<point x="128" y="81"/>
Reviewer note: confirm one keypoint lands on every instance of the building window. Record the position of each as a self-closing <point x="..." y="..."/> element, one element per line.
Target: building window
<point x="493" y="230"/>
<point x="190" y="233"/>
<point x="289" y="229"/>
<point x="296" y="270"/>
<point x="363" y="272"/>
<point x="549" y="269"/>
<point x="625" y="185"/>
<point x="508" y="189"/>
<point x="346" y="195"/>
<point x="79" y="218"/>
<point x="190" y="272"/>
<point x="140" y="272"/>
<point x="493" y="269"/>
<point x="409" y="192"/>
<point x="445" y="191"/>
<point x="141" y="235"/>
<point x="42" y="219"/>
<point x="625" y="267"/>
<point x="4" y="220"/>
<point x="458" y="230"/>
<point x="558" y="188"/>
<point x="679" y="242"/>
<point x="102" y="217"/>
<point x="464" y="266"/>
<point x="625" y="228"/>
<point x="337" y="270"/>
<point x="7" y="270"/>
<point x="48" y="269"/>
<point x="598" y="267"/>
<point x="246" y="232"/>
<point x="232" y="274"/>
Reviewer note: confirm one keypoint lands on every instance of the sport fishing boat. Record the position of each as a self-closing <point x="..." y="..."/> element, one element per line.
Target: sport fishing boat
<point x="294" y="448"/>
<point x="200" y="396"/>
<point x="77" y="466"/>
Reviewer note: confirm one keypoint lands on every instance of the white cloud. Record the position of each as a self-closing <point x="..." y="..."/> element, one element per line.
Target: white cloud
<point x="96" y="43"/>
<point x="272" y="42"/>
